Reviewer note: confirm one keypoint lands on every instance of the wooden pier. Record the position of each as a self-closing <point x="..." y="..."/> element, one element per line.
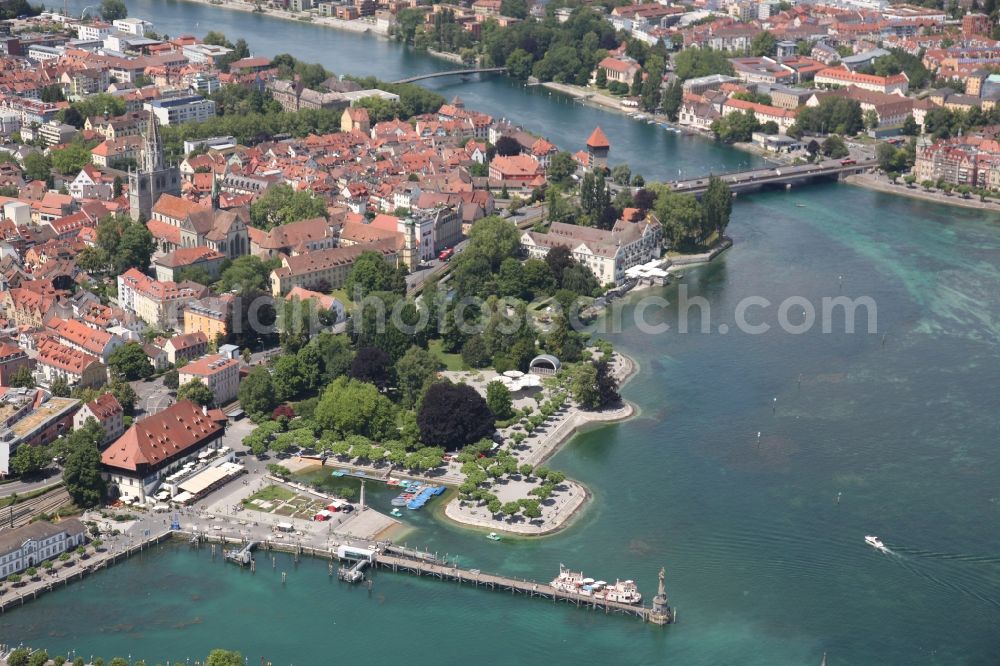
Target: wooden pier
<point x="394" y="558"/>
<point x="661" y="614"/>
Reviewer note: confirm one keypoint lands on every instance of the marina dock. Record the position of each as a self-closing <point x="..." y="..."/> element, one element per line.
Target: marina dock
<point x="242" y="556"/>
<point x="355" y="559"/>
<point x="659" y="613"/>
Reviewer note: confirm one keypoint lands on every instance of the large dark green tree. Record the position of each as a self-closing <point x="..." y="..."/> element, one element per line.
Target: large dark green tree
<point x="282" y="204"/>
<point x="121" y="244"/>
<point x="129" y="362"/>
<point x="717" y="205"/>
<point x="370" y="273"/>
<point x="28" y="460"/>
<point x="82" y="468"/>
<point x="349" y="407"/>
<point x="413" y="372"/>
<point x="454" y="415"/>
<point x="197" y="392"/>
<point x="256" y="393"/>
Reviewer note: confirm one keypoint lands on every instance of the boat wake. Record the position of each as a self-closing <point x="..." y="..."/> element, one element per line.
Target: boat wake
<point x="947" y="571"/>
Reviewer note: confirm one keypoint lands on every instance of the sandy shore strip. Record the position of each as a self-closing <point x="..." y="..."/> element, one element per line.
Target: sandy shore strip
<point x="300" y="17"/>
<point x="882" y="184"/>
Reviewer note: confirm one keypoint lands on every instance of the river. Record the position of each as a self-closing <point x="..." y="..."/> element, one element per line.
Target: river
<point x="764" y="563"/>
<point x="648" y="149"/>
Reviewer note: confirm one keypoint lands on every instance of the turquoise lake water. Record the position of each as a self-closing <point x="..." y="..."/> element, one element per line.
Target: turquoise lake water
<point x="763" y="563"/>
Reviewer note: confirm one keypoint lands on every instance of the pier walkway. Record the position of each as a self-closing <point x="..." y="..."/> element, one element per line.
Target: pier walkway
<point x="516" y="586"/>
<point x="783" y="176"/>
<point x="427" y="565"/>
<point x="242" y="556"/>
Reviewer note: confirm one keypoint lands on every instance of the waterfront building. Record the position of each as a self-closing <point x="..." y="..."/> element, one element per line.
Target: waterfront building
<point x="964" y="160"/>
<point x="632" y="241"/>
<point x="28" y="546"/>
<point x="764" y="113"/>
<point x="137" y="462"/>
<point x="598" y="148"/>
<point x="108" y="413"/>
<point x="621" y="69"/>
<point x="95" y="30"/>
<point x="221" y="375"/>
<point x="133" y="26"/>
<point x="891" y="110"/>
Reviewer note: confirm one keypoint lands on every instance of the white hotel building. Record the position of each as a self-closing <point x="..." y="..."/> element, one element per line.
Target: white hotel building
<point x="29" y="546"/>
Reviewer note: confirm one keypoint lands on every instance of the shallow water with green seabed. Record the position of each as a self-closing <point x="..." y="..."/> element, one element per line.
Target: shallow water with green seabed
<point x="763" y="563"/>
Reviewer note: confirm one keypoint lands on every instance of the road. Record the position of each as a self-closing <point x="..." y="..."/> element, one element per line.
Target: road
<point x="777" y="174"/>
<point x="153" y="397"/>
<point x="52" y="477"/>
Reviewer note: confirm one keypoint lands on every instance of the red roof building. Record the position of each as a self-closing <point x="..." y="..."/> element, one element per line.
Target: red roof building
<point x="108" y="413"/>
<point x="157" y="445"/>
<point x="841" y="76"/>
<point x="12" y="359"/>
<point x="598" y="148"/>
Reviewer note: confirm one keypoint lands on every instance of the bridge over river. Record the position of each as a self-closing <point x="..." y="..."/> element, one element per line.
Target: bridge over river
<point x="454" y="72"/>
<point x="783" y="176"/>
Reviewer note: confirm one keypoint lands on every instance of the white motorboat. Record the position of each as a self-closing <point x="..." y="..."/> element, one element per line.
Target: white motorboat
<point x="876" y="543"/>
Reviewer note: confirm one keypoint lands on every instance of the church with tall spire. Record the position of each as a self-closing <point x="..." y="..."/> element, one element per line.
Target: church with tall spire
<point x="153" y="176"/>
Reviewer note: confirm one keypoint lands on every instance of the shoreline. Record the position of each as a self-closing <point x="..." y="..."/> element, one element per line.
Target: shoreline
<point x="577" y="422"/>
<point x="873" y="182"/>
<point x="357" y="26"/>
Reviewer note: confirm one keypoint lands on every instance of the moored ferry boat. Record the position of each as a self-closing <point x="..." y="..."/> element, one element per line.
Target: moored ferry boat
<point x="574" y="582"/>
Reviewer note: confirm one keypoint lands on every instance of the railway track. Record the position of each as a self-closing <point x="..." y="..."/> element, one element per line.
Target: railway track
<point x="22" y="513"/>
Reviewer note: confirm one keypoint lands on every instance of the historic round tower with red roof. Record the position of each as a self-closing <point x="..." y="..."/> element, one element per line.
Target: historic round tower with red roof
<point x="598" y="149"/>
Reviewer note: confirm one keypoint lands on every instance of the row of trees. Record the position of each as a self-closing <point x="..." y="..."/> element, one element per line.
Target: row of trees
<point x="689" y="222"/>
<point x="23" y="656"/>
<point x="80" y="453"/>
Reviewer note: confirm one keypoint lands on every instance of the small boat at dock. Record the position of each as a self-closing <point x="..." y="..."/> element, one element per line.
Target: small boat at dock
<point x="573" y="582"/>
<point x="395" y="512"/>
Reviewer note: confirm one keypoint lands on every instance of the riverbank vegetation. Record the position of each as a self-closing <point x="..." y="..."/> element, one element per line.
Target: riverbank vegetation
<point x="24" y="656"/>
<point x="253" y="116"/>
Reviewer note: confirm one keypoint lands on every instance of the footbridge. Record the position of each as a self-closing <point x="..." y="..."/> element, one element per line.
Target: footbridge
<point x="783" y="176"/>
<point x="454" y="72"/>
